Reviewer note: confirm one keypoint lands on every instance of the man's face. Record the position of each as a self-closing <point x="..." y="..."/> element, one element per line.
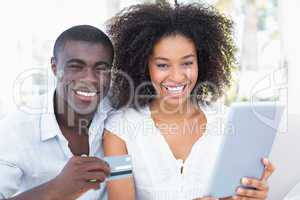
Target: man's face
<point x="83" y="73"/>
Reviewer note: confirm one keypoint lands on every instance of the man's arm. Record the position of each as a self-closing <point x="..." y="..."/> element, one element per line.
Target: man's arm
<point x="72" y="182"/>
<point x="10" y="176"/>
<point x="46" y="191"/>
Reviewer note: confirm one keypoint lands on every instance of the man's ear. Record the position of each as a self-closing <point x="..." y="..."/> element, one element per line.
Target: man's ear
<point x="54" y="66"/>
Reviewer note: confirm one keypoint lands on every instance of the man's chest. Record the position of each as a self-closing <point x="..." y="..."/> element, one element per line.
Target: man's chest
<point x="79" y="144"/>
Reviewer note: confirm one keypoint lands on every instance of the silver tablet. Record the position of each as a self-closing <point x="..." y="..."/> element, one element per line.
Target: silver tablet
<point x="249" y="133"/>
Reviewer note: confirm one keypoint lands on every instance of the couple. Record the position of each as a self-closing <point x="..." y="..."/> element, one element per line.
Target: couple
<point x="167" y="62"/>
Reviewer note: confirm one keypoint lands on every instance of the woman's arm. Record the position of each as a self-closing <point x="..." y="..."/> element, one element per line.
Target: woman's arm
<point x="121" y="188"/>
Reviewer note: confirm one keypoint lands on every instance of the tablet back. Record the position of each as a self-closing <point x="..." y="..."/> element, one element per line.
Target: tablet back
<point x="248" y="137"/>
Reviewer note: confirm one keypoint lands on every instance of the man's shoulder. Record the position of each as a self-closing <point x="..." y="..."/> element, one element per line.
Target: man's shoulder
<point x="17" y="132"/>
<point x="17" y="118"/>
<point x="25" y="118"/>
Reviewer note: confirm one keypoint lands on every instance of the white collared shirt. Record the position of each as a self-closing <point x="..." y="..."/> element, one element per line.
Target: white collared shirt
<point x="34" y="151"/>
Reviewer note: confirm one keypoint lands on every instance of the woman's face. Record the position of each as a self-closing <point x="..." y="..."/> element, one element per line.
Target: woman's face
<point x="173" y="68"/>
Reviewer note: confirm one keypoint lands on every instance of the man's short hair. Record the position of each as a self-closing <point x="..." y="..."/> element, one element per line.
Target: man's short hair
<point x="84" y="33"/>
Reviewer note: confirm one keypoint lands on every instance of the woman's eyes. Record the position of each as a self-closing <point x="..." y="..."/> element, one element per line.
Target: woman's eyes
<point x="187" y="63"/>
<point x="162" y="65"/>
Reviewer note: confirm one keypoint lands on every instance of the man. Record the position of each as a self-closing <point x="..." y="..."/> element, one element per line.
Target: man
<point x="56" y="154"/>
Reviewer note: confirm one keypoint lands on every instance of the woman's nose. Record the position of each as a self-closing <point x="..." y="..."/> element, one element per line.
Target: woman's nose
<point x="176" y="74"/>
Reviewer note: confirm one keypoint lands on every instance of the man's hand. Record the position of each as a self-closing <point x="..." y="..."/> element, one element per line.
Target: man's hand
<point x="80" y="175"/>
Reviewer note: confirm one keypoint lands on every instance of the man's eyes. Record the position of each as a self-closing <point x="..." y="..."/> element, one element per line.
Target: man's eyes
<point x="102" y="67"/>
<point x="77" y="67"/>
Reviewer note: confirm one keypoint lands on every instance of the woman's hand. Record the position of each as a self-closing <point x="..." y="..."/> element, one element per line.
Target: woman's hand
<point x="260" y="187"/>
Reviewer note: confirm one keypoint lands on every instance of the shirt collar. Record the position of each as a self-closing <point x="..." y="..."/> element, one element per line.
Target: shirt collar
<point x="101" y="114"/>
<point x="49" y="126"/>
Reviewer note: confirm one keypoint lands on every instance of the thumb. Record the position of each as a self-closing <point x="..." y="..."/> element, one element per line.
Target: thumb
<point x="207" y="198"/>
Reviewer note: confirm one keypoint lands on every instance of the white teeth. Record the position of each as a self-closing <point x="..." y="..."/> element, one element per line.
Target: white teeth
<point x="176" y="89"/>
<point x="86" y="94"/>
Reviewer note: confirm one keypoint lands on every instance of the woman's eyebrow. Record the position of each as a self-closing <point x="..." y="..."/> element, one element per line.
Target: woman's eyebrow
<point x="166" y="59"/>
<point x="161" y="58"/>
<point x="188" y="56"/>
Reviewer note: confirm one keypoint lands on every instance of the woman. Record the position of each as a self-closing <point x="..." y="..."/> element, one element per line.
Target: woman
<point x="170" y="63"/>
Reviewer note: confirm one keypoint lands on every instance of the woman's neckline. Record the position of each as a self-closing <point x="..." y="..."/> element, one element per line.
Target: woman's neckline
<point x="166" y="144"/>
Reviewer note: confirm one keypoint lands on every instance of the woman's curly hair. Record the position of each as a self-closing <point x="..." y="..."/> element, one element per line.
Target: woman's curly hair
<point x="135" y="31"/>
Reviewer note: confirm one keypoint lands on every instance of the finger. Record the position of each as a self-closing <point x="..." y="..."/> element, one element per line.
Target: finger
<point x="94" y="176"/>
<point x="96" y="165"/>
<point x="78" y="160"/>
<point x="206" y="198"/>
<point x="254" y="183"/>
<point x="95" y="186"/>
<point x="251" y="193"/>
<point x="95" y="159"/>
<point x="269" y="169"/>
<point x="91" y="159"/>
<point x="238" y="197"/>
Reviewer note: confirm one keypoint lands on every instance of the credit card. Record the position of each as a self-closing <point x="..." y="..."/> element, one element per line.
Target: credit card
<point x="120" y="166"/>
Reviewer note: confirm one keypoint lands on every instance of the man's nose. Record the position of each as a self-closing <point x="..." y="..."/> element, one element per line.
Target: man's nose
<point x="90" y="75"/>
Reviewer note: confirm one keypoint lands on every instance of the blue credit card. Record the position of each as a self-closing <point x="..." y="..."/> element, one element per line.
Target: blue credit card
<point x="120" y="166"/>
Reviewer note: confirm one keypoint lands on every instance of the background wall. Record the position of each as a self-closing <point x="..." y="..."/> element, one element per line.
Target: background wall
<point x="267" y="33"/>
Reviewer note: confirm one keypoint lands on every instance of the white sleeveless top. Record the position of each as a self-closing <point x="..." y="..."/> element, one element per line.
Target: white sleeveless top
<point x="156" y="172"/>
